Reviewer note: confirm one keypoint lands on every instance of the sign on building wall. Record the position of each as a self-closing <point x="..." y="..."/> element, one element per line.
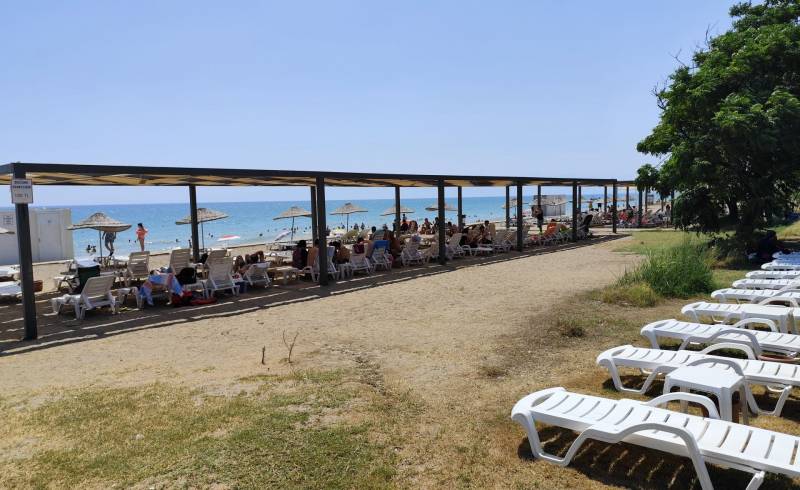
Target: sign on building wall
<point x="21" y="191"/>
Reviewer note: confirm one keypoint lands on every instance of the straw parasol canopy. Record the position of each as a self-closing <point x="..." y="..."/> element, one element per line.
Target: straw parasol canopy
<point x="447" y="208"/>
<point x="348" y="209"/>
<point x="101" y="223"/>
<point x="203" y="215"/>
<point x="4" y="231"/>
<point x="403" y="210"/>
<point x="293" y="212"/>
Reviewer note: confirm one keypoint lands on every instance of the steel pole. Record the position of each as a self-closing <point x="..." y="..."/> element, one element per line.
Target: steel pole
<point x="314" y="224"/>
<point x="460" y="210"/>
<point x="614" y="209"/>
<point x="26" y="265"/>
<point x="195" y="230"/>
<point x="520" y="238"/>
<point x="322" y="255"/>
<point x="508" y="207"/>
<point x="397" y="210"/>
<point x="441" y="231"/>
<point x="575" y="197"/>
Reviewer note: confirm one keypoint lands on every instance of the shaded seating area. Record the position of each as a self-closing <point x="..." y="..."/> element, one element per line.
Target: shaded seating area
<point x="316" y="181"/>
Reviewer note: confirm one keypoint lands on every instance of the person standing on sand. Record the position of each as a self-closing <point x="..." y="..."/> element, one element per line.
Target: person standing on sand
<point x="141" y="232"/>
<point x="108" y="240"/>
<point x="539" y="215"/>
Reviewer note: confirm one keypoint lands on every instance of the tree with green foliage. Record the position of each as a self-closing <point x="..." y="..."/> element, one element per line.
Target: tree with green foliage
<point x="730" y="121"/>
<point x="646" y="179"/>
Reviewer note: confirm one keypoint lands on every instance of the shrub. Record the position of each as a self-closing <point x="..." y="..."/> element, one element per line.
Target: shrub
<point x="629" y="294"/>
<point x="679" y="271"/>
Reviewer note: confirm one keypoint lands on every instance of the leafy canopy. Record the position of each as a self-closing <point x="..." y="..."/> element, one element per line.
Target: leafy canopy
<point x="730" y="121"/>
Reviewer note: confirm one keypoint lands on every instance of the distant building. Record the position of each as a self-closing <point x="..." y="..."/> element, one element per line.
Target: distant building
<point x="554" y="205"/>
<point x="50" y="239"/>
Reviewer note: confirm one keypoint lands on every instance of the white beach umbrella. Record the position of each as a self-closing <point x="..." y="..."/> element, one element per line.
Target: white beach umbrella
<point x="227" y="238"/>
<point x="281" y="235"/>
<point x="293" y="212"/>
<point x="348" y="209"/>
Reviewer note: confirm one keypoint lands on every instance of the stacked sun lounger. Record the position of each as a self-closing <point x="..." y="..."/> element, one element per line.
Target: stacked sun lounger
<point x="760" y="326"/>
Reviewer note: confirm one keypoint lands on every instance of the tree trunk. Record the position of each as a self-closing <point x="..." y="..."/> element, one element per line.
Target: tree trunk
<point x="733" y="210"/>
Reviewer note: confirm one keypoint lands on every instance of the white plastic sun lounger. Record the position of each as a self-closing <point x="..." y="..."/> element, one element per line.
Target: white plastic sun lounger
<point x="762" y="274"/>
<point x="257" y="274"/>
<point x="220" y="278"/>
<point x="779" y="265"/>
<point x="784" y="317"/>
<point x="96" y="294"/>
<point x="10" y="289"/>
<point x="760" y="341"/>
<point x="732" y="295"/>
<point x="655" y="362"/>
<point x="703" y="440"/>
<point x="766" y="283"/>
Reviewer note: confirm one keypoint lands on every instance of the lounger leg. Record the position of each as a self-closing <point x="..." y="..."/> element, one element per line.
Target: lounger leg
<point x="756" y="481"/>
<point x="784" y="391"/>
<point x="614" y="437"/>
<point x="612" y="369"/>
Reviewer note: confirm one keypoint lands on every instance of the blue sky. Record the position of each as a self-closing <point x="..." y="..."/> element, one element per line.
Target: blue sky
<point x="546" y="88"/>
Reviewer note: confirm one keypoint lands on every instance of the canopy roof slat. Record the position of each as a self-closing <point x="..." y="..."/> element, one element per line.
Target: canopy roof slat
<point x="112" y="175"/>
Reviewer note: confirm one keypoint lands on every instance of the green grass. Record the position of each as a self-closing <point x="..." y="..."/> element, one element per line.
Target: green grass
<point x="643" y="242"/>
<point x="677" y="265"/>
<point x="678" y="271"/>
<point x="281" y="432"/>
<point x="789" y="232"/>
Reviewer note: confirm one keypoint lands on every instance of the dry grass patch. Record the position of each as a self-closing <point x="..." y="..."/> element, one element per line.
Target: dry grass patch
<point x="295" y="431"/>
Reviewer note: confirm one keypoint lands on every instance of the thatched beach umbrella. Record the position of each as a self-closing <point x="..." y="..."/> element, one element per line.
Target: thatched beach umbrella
<point x="293" y="212"/>
<point x="101" y="223"/>
<point x="447" y="208"/>
<point x="348" y="209"/>
<point x="203" y="215"/>
<point x="403" y="210"/>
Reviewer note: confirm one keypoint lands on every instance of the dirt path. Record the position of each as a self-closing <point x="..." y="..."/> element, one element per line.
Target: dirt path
<point x="439" y="338"/>
<point x="426" y="333"/>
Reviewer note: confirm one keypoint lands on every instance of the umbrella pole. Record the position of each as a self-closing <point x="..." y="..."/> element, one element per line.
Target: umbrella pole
<point x="291" y="238"/>
<point x="203" y="232"/>
<point x="100" y="244"/>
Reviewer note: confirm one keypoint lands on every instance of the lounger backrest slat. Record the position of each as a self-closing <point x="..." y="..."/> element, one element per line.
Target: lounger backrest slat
<point x="97" y="287"/>
<point x="179" y="258"/>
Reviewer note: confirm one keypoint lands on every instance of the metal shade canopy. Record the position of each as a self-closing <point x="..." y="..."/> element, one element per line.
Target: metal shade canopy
<point x="348" y="209"/>
<point x="101" y="223"/>
<point x="292" y="213"/>
<point x="447" y="208"/>
<point x="203" y="215"/>
<point x="403" y="210"/>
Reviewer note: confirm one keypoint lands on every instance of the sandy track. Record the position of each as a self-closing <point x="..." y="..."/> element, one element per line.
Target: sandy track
<point x="429" y="334"/>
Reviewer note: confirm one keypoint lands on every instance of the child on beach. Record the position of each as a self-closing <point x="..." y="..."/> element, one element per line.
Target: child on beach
<point x="141" y="232"/>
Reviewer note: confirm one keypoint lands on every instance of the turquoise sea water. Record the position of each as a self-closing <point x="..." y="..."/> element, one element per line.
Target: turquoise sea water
<point x="253" y="221"/>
